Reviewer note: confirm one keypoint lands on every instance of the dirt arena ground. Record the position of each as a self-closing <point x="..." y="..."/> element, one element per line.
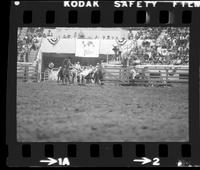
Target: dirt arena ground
<point x="47" y="112"/>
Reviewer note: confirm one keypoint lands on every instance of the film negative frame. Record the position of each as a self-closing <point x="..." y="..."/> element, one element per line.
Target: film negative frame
<point x="102" y="154"/>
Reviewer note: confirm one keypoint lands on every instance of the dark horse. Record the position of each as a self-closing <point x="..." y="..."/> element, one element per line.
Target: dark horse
<point x="66" y="74"/>
<point x="98" y="76"/>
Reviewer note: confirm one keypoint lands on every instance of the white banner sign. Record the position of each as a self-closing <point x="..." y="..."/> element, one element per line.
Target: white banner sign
<point x="87" y="48"/>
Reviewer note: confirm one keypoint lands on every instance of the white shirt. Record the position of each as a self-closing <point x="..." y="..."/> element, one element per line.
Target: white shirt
<point x="78" y="66"/>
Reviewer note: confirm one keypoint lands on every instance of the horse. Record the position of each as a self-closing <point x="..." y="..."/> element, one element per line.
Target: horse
<point x="98" y="76"/>
<point x="65" y="74"/>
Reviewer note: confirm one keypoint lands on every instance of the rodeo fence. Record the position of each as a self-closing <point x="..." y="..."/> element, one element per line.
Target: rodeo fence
<point x="45" y="76"/>
<point x="27" y="72"/>
<point x="148" y="74"/>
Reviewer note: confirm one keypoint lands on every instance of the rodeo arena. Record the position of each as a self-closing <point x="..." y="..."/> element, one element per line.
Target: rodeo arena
<point x="102" y="84"/>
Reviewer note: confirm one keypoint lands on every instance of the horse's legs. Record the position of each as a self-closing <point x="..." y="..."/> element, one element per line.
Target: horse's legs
<point x="84" y="80"/>
<point x="100" y="81"/>
<point x="63" y="80"/>
<point x="80" y="79"/>
<point x="67" y="80"/>
<point x="72" y="79"/>
<point x="76" y="78"/>
<point x="58" y="79"/>
<point x="96" y="79"/>
<point x="72" y="75"/>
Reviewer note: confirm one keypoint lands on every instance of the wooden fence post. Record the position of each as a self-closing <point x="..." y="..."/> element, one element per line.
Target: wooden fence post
<point x="120" y="73"/>
<point x="44" y="76"/>
<point x="25" y="74"/>
<point x="128" y="72"/>
<point x="167" y="76"/>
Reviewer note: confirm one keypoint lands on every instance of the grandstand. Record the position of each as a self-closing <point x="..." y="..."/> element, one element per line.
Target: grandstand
<point x="150" y="41"/>
<point x="29" y="41"/>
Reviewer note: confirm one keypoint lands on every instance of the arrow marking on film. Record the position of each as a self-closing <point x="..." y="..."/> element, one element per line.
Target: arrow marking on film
<point x="144" y="160"/>
<point x="50" y="161"/>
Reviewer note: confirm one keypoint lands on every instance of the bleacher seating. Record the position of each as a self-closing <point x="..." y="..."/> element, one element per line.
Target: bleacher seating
<point x="29" y="40"/>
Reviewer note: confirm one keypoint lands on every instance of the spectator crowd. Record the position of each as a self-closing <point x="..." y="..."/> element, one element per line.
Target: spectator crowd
<point x="28" y="39"/>
<point x="155" y="45"/>
<point x="161" y="46"/>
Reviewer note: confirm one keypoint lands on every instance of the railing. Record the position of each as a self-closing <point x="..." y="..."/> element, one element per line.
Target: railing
<point x="148" y="75"/>
<point x="153" y="74"/>
<point x="45" y="76"/>
<point x="27" y="72"/>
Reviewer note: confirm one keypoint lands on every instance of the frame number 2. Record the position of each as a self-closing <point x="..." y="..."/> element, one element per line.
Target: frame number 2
<point x="156" y="161"/>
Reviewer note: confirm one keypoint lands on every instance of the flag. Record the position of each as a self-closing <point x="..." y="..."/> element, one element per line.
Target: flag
<point x="53" y="40"/>
<point x="121" y="42"/>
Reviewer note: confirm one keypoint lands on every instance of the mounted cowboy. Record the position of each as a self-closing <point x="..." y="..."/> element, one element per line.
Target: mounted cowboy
<point x="64" y="72"/>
